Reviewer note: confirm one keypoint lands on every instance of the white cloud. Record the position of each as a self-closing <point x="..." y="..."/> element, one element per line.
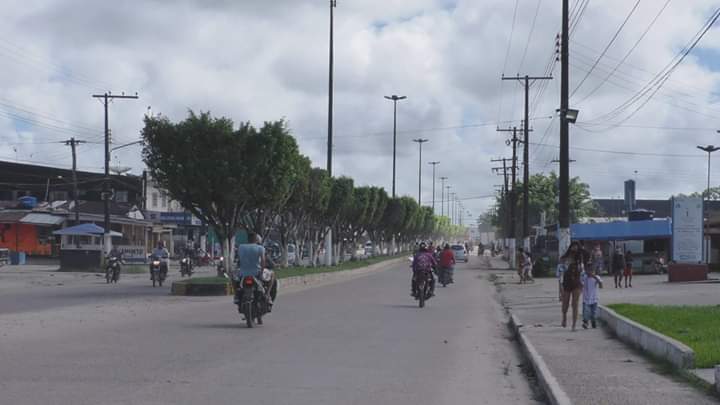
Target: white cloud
<point x="258" y="60"/>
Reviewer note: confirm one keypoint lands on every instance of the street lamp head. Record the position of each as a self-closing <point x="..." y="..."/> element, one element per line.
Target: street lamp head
<point x="709" y="148"/>
<point x="395" y="97"/>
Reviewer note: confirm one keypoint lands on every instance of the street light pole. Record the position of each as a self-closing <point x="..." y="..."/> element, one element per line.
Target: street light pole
<point x="442" y="196"/>
<point x="433" y="199"/>
<point x="394" y="99"/>
<point x="420" y="142"/>
<point x="331" y="69"/>
<point x="709" y="149"/>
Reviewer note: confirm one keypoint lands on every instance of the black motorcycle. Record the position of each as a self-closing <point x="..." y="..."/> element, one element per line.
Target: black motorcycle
<point x="444" y="276"/>
<point x="251" y="301"/>
<point x="423" y="286"/>
<point x="186" y="267"/>
<point x="158" y="271"/>
<point x="220" y="266"/>
<point x="112" y="269"/>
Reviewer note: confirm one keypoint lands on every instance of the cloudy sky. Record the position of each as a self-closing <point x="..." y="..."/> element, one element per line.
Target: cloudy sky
<point x="263" y="60"/>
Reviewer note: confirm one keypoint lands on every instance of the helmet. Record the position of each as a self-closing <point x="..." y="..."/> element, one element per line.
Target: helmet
<point x="422" y="246"/>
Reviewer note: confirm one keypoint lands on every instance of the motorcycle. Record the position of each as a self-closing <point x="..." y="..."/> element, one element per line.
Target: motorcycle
<point x="251" y="301"/>
<point x="112" y="270"/>
<point x="444" y="276"/>
<point x="220" y="266"/>
<point x="186" y="267"/>
<point x="423" y="285"/>
<point x="158" y="275"/>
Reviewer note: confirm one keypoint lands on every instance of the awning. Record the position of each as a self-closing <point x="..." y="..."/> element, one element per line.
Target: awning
<point x="631" y="230"/>
<point x="37" y="218"/>
<point x="11" y="217"/>
<point x="85" y="230"/>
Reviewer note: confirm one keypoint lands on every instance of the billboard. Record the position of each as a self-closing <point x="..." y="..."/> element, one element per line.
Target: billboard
<point x="687" y="229"/>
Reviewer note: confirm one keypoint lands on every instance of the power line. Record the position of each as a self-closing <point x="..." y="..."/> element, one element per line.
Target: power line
<point x="628" y="53"/>
<point x="532" y="29"/>
<point x="607" y="47"/>
<point x="654" y="85"/>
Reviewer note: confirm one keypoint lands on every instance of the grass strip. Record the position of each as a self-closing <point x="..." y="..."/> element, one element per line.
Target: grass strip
<point x="696" y="326"/>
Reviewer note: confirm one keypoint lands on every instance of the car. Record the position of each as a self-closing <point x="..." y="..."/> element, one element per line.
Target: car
<point x="460" y="253"/>
<point x="369" y="248"/>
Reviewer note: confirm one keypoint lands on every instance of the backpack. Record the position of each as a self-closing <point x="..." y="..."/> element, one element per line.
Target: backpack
<point x="423" y="262"/>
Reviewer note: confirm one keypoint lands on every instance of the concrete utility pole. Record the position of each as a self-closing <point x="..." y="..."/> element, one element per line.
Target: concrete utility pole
<point x="442" y="196"/>
<point x="505" y="194"/>
<point x="72" y="143"/>
<point x="106" y="193"/>
<point x="433" y="199"/>
<point x="513" y="195"/>
<point x="564" y="206"/>
<point x="331" y="69"/>
<point x="526" y="153"/>
<point x="420" y="142"/>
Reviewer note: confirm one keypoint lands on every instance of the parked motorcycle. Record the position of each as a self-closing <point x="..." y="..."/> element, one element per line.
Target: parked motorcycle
<point x="251" y="301"/>
<point x="112" y="269"/>
<point x="186" y="267"/>
<point x="157" y="271"/>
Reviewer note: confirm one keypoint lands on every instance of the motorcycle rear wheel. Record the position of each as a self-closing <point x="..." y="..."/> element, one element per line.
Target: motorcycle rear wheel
<point x="421" y="296"/>
<point x="247" y="311"/>
<point x="108" y="276"/>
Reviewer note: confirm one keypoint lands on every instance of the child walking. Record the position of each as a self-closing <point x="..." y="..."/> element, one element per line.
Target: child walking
<point x="591" y="282"/>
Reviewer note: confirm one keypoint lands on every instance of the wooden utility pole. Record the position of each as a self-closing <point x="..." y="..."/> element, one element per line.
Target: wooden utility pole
<point x="72" y="142"/>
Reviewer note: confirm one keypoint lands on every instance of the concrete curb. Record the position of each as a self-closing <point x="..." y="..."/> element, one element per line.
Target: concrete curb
<point x="556" y="395"/>
<point x="648" y="340"/>
<point x="717" y="379"/>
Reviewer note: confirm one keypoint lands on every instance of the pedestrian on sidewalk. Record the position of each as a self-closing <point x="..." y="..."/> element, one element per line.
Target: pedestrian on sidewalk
<point x="572" y="283"/>
<point x="591" y="281"/>
<point x="628" y="268"/>
<point x="597" y="260"/>
<point x="618" y="266"/>
<point x="526" y="265"/>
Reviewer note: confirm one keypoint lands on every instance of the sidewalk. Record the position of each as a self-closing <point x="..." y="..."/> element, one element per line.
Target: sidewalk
<point x="590" y="365"/>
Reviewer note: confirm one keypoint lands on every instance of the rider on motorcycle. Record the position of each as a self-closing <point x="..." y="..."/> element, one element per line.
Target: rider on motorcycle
<point x="162" y="254"/>
<point x="423" y="260"/>
<point x="447" y="261"/>
<point x="250" y="263"/>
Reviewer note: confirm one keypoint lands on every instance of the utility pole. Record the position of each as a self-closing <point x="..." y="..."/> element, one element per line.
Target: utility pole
<point x="106" y="98"/>
<point x="564" y="206"/>
<point x="442" y="196"/>
<point x="420" y="142"/>
<point x="526" y="153"/>
<point x="433" y="199"/>
<point x="513" y="196"/>
<point x="505" y="193"/>
<point x="331" y="69"/>
<point x="72" y="143"/>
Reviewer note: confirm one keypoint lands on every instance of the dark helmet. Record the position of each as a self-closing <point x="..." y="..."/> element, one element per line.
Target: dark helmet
<point x="422" y="246"/>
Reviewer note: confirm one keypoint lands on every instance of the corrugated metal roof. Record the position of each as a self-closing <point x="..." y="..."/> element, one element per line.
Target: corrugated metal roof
<point x="38" y="218"/>
<point x="11" y="217"/>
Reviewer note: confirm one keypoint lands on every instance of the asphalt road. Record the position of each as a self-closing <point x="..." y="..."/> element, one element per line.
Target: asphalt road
<point x="363" y="341"/>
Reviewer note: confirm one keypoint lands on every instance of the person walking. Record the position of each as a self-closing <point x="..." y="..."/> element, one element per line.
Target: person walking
<point x="591" y="281"/>
<point x="618" y="266"/>
<point x="628" y="273"/>
<point x="597" y="260"/>
<point x="572" y="283"/>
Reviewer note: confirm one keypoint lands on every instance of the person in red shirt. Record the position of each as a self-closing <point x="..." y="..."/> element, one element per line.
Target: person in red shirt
<point x="447" y="261"/>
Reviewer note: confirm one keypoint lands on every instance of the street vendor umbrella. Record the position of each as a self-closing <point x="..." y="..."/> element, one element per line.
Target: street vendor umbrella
<point x="84" y="230"/>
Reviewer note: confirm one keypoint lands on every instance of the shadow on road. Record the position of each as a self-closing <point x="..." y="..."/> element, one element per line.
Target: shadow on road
<point x="401" y="306"/>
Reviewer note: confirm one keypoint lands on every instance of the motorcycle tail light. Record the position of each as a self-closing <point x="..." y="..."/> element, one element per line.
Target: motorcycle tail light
<point x="156" y="263"/>
<point x="249" y="281"/>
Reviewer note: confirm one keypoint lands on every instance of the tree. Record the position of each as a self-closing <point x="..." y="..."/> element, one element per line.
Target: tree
<point x="713" y="194"/>
<point x="271" y="164"/>
<point x="296" y="211"/>
<point x="543" y="197"/>
<point x="198" y="162"/>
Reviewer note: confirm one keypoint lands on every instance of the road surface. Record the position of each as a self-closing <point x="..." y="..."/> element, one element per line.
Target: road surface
<point x="362" y="341"/>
